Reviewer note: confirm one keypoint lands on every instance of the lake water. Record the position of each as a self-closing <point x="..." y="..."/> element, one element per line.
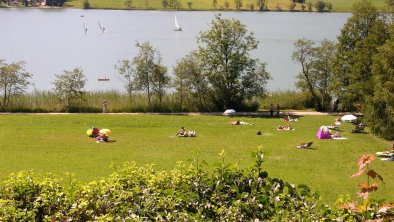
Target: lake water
<point x="53" y="40"/>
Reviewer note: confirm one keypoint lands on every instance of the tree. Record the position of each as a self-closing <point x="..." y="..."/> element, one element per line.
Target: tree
<point x="86" y="4"/>
<point x="317" y="73"/>
<point x="13" y="80"/>
<point x="238" y="4"/>
<point x="226" y="5"/>
<point x="224" y="55"/>
<point x="128" y="3"/>
<point x="164" y="3"/>
<point x="160" y="81"/>
<point x="380" y="105"/>
<point x="214" y="3"/>
<point x="145" y="66"/>
<point x="189" y="4"/>
<point x="175" y="4"/>
<point x="190" y="84"/>
<point x="359" y="40"/>
<point x="68" y="86"/>
<point x="320" y="5"/>
<point x="126" y="70"/>
<point x="304" y="53"/>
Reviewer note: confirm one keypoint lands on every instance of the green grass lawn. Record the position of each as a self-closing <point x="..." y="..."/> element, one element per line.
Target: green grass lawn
<point x="59" y="144"/>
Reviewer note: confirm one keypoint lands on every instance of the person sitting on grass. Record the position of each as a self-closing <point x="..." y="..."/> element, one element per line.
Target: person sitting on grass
<point x="181" y="132"/>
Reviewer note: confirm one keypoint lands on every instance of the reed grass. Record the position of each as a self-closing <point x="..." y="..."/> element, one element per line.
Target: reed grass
<point x="59" y="144"/>
<point x="92" y="102"/>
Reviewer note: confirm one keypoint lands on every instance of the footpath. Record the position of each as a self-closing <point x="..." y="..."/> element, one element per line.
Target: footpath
<point x="260" y="113"/>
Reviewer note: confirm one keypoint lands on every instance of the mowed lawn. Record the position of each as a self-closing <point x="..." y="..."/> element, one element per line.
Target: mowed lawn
<point x="59" y="144"/>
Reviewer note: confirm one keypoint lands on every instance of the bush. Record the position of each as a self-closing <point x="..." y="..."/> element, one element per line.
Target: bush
<point x="134" y="193"/>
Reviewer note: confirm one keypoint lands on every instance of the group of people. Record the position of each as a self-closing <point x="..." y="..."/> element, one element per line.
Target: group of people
<point x="272" y="110"/>
<point x="99" y="136"/>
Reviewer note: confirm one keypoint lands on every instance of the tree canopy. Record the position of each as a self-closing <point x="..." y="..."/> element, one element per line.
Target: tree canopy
<point x="224" y="54"/>
<point x="13" y="81"/>
<point x="359" y="40"/>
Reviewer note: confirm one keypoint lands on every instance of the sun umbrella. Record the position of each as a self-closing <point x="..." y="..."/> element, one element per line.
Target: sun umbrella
<point x="105" y="131"/>
<point x="348" y="118"/>
<point x="229" y="111"/>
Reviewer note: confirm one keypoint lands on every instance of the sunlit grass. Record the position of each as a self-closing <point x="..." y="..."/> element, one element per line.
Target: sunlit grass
<point x="59" y="144"/>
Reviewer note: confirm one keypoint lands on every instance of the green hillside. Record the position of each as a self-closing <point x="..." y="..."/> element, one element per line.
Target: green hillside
<point x="273" y="5"/>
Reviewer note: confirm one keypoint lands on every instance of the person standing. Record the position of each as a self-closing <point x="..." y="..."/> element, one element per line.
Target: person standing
<point x="105" y="106"/>
<point x="277" y="110"/>
<point x="272" y="110"/>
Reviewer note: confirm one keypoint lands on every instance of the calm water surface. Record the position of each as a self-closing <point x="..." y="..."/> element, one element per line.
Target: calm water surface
<point x="53" y="40"/>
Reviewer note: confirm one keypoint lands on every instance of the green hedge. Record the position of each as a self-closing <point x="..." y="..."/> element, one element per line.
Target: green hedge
<point x="186" y="193"/>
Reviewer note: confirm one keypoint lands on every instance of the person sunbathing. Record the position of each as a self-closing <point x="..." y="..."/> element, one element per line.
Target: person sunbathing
<point x="337" y="135"/>
<point x="238" y="122"/>
<point x="102" y="138"/>
<point x="305" y="145"/>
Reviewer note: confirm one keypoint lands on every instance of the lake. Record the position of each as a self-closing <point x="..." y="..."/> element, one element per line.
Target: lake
<point x="53" y="40"/>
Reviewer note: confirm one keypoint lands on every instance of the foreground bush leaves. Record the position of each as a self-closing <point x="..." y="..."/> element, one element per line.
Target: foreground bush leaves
<point x="186" y="193"/>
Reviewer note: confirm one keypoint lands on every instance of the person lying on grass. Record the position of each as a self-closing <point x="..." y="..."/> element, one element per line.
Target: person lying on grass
<point x="337" y="135"/>
<point x="305" y="145"/>
<point x="238" y="122"/>
<point x="102" y="138"/>
<point x="286" y="127"/>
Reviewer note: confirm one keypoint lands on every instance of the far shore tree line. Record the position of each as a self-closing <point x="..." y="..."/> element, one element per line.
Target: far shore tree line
<point x="258" y="5"/>
<point x="357" y="71"/>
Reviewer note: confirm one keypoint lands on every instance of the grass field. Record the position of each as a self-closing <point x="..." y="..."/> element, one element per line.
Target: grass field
<point x="59" y="144"/>
<point x="274" y="5"/>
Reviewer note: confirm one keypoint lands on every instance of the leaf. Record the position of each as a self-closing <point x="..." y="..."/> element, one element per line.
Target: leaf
<point x="373" y="174"/>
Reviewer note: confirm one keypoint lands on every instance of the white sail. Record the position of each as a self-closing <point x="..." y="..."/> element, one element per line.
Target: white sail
<point x="101" y="27"/>
<point x="85" y="30"/>
<point x="177" y="27"/>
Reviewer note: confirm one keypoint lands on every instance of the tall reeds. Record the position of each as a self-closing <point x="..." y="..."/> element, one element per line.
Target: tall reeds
<point x="118" y="102"/>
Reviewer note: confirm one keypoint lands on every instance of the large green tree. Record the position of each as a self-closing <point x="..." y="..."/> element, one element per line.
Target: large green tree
<point x="380" y="105"/>
<point x="190" y="84"/>
<point x="13" y="81"/>
<point x="224" y="54"/>
<point x="359" y="40"/>
<point x="160" y="81"/>
<point x="69" y="87"/>
<point x="316" y="69"/>
<point x="126" y="70"/>
<point x="150" y="74"/>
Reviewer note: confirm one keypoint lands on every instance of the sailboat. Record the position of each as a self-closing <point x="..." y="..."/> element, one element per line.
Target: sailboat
<point x="101" y="27"/>
<point x="85" y="30"/>
<point x="177" y="27"/>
